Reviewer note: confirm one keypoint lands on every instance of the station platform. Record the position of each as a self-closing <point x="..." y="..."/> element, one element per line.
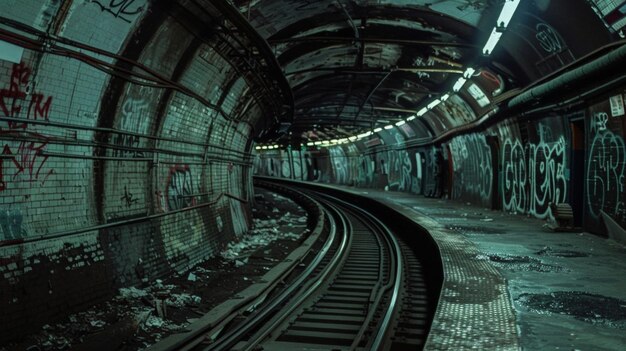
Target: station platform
<point x="510" y="283"/>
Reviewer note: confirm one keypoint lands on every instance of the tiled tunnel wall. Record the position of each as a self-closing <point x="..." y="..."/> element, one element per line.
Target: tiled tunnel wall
<point x="518" y="165"/>
<point x="107" y="178"/>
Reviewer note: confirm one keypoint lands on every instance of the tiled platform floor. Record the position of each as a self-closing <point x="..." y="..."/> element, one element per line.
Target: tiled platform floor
<point x="566" y="291"/>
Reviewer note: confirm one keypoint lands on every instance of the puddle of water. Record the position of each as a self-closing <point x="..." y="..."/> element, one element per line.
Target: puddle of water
<point x="522" y="264"/>
<point x="474" y="230"/>
<point x="591" y="308"/>
<point x="548" y="251"/>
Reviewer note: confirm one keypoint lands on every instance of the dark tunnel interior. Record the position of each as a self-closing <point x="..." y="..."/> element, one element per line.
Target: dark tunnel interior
<point x="131" y="130"/>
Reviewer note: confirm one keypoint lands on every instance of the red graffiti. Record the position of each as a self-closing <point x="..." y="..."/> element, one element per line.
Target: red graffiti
<point x="26" y="156"/>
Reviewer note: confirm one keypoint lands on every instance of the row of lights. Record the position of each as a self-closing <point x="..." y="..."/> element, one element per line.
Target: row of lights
<point x="267" y="147"/>
<point x="503" y="21"/>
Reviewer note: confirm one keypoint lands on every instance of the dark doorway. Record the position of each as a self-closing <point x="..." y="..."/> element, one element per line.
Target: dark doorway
<point x="577" y="170"/>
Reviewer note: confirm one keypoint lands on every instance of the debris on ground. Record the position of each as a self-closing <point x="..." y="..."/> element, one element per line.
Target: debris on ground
<point x="139" y="316"/>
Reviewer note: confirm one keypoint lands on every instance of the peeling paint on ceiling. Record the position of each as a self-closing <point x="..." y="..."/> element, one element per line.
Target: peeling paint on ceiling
<point x="352" y="63"/>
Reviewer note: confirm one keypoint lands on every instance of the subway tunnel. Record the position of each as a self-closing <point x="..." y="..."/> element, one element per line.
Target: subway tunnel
<point x="131" y="130"/>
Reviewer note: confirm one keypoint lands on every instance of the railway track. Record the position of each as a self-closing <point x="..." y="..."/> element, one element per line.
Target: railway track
<point x="362" y="289"/>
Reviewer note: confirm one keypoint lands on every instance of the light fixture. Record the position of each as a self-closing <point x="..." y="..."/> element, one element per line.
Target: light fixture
<point x="257" y="148"/>
<point x="318" y="143"/>
<point x="364" y="135"/>
<point x="352" y="138"/>
<point x="469" y="72"/>
<point x="411" y="118"/>
<point x="433" y="104"/>
<point x="325" y="142"/>
<point x="507" y="13"/>
<point x="310" y="143"/>
<point x="422" y="112"/>
<point x="376" y="130"/>
<point x="445" y="97"/>
<point x="389" y="126"/>
<point x="343" y="141"/>
<point x="492" y="42"/>
<point x="400" y="123"/>
<point x="459" y="84"/>
<point x="264" y="147"/>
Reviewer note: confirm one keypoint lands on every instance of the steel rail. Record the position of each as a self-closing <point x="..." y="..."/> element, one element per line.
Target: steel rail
<point x="403" y="326"/>
<point x="346" y="298"/>
<point x="310" y="290"/>
<point x="392" y="288"/>
<point x="394" y="284"/>
<point x="235" y="335"/>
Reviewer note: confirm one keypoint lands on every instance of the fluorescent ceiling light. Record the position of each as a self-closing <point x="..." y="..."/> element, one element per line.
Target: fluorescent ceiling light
<point x="364" y="135"/>
<point x="459" y="84"/>
<point x="325" y="142"/>
<point x="310" y="143"/>
<point x="258" y="148"/>
<point x="507" y="13"/>
<point x="445" y="97"/>
<point x="376" y="130"/>
<point x="492" y="42"/>
<point x="343" y="141"/>
<point x="469" y="72"/>
<point x="352" y="138"/>
<point x="318" y="143"/>
<point x="433" y="103"/>
<point x="422" y="112"/>
<point x="411" y="118"/>
<point x="334" y="141"/>
<point x="264" y="147"/>
<point x="400" y="123"/>
<point x="389" y="126"/>
<point x="276" y="146"/>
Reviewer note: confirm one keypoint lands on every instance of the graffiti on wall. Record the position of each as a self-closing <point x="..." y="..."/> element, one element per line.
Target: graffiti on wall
<point x="122" y="9"/>
<point x="432" y="174"/>
<point x="297" y="164"/>
<point x="548" y="38"/>
<point x="472" y="166"/>
<point x="397" y="164"/>
<point x="128" y="197"/>
<point x="339" y="163"/>
<point x="605" y="169"/>
<point x="419" y="176"/>
<point x="534" y="174"/>
<point x="400" y="170"/>
<point x="289" y="161"/>
<point x="268" y="165"/>
<point x="180" y="190"/>
<point x="365" y="170"/>
<point x="134" y="119"/>
<point x="23" y="161"/>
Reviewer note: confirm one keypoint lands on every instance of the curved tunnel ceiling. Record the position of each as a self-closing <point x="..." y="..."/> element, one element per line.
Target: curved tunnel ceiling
<point x="357" y="65"/>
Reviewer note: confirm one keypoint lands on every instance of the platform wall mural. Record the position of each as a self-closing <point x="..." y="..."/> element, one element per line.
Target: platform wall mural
<point x="518" y="166"/>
